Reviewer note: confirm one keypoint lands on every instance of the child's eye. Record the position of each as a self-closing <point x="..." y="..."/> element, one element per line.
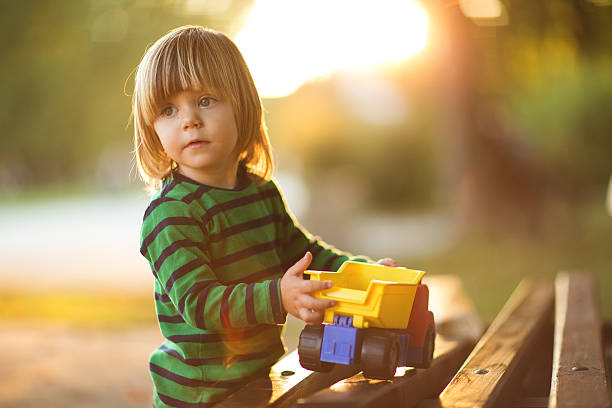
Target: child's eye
<point x="168" y="111"/>
<point x="206" y="101"/>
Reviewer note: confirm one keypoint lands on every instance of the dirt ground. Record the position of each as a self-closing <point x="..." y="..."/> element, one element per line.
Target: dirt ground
<point x="55" y="366"/>
<point x="60" y="366"/>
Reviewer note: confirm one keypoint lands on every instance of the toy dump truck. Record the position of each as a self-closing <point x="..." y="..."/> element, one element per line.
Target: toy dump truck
<point x="380" y="322"/>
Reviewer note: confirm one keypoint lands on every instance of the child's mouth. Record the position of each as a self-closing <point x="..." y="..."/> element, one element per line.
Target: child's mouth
<point x="196" y="144"/>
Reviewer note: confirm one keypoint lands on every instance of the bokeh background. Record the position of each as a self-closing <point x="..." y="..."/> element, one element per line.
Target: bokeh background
<point x="467" y="137"/>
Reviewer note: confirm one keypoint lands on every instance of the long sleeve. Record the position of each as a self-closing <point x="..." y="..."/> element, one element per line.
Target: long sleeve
<point x="176" y="245"/>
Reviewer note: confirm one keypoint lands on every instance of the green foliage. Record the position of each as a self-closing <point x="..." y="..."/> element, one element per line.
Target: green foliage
<point x="552" y="65"/>
<point x="68" y="73"/>
<point x="68" y="69"/>
<point x="395" y="166"/>
<point x="490" y="266"/>
<point x="568" y="119"/>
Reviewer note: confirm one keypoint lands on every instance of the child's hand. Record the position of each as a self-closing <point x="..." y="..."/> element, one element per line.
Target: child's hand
<point x="387" y="262"/>
<point x="295" y="293"/>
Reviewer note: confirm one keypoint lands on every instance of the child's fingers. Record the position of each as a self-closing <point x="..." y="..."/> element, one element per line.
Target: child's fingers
<point x="300" y="266"/>
<point x="317" y="304"/>
<point x="311" y="316"/>
<point x="387" y="262"/>
<point x="313" y="286"/>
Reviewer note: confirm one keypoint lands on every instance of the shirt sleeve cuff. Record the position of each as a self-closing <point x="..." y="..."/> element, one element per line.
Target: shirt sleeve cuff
<point x="278" y="311"/>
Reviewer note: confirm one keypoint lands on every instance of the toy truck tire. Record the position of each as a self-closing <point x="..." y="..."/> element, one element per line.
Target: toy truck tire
<point x="309" y="349"/>
<point x="379" y="354"/>
<point x="428" y="348"/>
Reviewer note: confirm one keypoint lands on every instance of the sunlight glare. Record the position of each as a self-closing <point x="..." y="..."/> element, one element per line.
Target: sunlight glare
<point x="289" y="42"/>
<point x="481" y="8"/>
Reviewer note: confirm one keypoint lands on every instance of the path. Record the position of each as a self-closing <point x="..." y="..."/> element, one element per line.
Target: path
<point x="58" y="367"/>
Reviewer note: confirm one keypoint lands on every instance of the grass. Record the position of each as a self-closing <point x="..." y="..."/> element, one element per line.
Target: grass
<point x="491" y="266"/>
<point x="52" y="192"/>
<point x="99" y="310"/>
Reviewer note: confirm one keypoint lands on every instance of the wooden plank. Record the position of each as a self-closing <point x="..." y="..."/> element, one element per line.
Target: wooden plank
<point x="453" y="311"/>
<point x="407" y="388"/>
<point x="458" y="329"/>
<point x="287" y="382"/>
<point x="490" y="370"/>
<point x="578" y="371"/>
<point x="533" y="387"/>
<point x="607" y="346"/>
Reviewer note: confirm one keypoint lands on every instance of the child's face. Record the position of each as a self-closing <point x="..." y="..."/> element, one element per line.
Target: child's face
<point x="198" y="131"/>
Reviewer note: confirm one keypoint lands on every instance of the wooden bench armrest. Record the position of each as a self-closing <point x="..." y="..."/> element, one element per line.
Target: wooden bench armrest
<point x="578" y="371"/>
<point x="492" y="369"/>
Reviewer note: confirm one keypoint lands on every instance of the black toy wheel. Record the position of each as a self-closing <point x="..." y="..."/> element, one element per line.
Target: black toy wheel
<point x="379" y="354"/>
<point x="309" y="349"/>
<point x="428" y="348"/>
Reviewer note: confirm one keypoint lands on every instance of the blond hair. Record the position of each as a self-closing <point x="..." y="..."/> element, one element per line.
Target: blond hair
<point x="194" y="57"/>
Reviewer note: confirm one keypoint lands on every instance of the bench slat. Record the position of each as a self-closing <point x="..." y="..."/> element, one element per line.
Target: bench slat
<point x="458" y="329"/>
<point x="578" y="377"/>
<point x="491" y="366"/>
<point x="288" y="381"/>
<point x="407" y="388"/>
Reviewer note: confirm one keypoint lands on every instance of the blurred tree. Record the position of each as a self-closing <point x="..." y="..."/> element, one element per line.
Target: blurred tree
<point x="67" y="68"/>
<point x="501" y="169"/>
<point x="521" y="109"/>
<point x="561" y="89"/>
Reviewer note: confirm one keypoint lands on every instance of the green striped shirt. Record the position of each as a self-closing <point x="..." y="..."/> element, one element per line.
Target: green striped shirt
<point x="217" y="256"/>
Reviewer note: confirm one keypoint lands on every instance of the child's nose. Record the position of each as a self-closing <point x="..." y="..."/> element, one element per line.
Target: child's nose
<point x="191" y="119"/>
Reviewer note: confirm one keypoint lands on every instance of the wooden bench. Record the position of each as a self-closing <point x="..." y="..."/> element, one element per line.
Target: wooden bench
<point x="525" y="358"/>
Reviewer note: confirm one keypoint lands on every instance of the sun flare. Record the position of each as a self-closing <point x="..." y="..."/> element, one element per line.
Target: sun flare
<point x="289" y="42"/>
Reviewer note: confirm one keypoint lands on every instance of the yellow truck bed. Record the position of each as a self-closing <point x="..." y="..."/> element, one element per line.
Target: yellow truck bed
<point x="373" y="295"/>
